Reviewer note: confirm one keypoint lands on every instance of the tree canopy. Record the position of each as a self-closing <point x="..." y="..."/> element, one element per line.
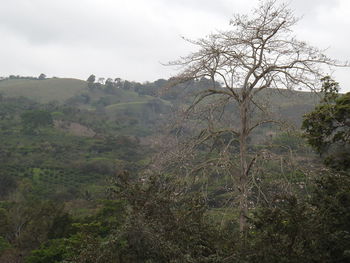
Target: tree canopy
<point x="327" y="128"/>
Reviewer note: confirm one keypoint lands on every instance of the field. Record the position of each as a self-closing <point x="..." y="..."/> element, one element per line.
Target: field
<point x="43" y="91"/>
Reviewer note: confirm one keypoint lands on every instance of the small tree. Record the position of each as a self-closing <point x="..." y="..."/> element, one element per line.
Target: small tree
<point x="42" y="76"/>
<point x="110" y="85"/>
<point x="258" y="53"/>
<point x="91" y="78"/>
<point x="91" y="81"/>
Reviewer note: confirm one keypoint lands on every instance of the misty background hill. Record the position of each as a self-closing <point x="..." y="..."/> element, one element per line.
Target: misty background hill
<point x="139" y="105"/>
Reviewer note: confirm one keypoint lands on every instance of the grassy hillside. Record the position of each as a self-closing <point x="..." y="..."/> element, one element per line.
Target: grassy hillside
<point x="42" y="91"/>
<point x="138" y="108"/>
<point x="288" y="105"/>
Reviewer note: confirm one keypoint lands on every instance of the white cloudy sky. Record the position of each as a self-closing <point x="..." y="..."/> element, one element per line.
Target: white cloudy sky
<point x="131" y="38"/>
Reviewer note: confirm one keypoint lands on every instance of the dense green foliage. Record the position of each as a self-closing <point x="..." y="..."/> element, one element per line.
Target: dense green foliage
<point x="328" y="127"/>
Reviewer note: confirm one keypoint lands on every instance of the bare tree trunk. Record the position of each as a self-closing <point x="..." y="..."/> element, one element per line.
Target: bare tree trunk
<point x="243" y="177"/>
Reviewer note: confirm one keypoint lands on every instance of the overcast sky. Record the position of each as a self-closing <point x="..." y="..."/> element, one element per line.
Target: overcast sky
<point x="131" y="39"/>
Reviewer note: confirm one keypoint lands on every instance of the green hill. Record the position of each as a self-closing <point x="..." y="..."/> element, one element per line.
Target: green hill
<point x="141" y="105"/>
<point x="43" y="91"/>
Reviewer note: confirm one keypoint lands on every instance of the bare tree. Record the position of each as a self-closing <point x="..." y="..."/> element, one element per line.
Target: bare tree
<point x="258" y="53"/>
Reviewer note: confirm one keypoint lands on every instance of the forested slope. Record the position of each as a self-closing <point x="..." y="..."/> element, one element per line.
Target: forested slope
<point x="76" y="156"/>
